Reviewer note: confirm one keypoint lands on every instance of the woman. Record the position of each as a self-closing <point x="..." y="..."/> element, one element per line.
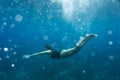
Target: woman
<point x="55" y="54"/>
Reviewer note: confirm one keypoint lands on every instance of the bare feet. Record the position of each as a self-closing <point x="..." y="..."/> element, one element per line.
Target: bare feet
<point x="82" y="41"/>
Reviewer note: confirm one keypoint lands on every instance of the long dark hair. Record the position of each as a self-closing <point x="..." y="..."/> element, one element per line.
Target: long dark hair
<point x="49" y="47"/>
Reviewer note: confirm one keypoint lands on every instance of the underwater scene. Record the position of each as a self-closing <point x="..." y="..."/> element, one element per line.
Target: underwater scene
<point x="59" y="28"/>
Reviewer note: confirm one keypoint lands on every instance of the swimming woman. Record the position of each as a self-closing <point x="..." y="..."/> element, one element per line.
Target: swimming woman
<point x="65" y="52"/>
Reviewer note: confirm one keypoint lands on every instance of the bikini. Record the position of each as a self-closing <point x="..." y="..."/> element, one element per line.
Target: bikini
<point x="55" y="54"/>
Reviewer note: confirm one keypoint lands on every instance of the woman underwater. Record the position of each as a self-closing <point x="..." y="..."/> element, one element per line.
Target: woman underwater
<point x="55" y="54"/>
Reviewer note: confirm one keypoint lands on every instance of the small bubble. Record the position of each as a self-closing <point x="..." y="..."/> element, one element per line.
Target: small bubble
<point x="14" y="53"/>
<point x="7" y="56"/>
<point x="42" y="21"/>
<point x="27" y="12"/>
<point x="12" y="25"/>
<point x="11" y="49"/>
<point x="109" y="32"/>
<point x="83" y="71"/>
<point x="5" y="49"/>
<point x="12" y="65"/>
<point x="81" y="28"/>
<point x="4" y="23"/>
<point x="110" y="42"/>
<point x="45" y="37"/>
<point x="96" y="35"/>
<point x="111" y="57"/>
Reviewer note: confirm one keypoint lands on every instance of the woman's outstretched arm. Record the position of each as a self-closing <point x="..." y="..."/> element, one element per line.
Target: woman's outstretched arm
<point x="38" y="53"/>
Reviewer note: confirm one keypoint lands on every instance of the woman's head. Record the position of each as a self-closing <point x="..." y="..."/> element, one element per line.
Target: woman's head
<point x="49" y="47"/>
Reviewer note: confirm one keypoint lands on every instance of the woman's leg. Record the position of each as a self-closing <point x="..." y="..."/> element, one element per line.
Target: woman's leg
<point x="79" y="45"/>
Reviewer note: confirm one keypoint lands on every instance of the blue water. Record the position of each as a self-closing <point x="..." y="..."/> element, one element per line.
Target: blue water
<point x="26" y="26"/>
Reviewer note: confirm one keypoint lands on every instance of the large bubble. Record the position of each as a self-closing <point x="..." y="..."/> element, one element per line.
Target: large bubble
<point x="18" y="18"/>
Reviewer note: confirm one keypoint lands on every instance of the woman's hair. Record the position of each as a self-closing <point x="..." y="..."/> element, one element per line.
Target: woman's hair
<point x="49" y="47"/>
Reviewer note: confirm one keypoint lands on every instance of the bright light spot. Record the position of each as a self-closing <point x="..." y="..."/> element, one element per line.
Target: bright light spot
<point x="81" y="38"/>
<point x="45" y="37"/>
<point x="87" y="34"/>
<point x="12" y="65"/>
<point x="109" y="32"/>
<point x="81" y="28"/>
<point x="5" y="49"/>
<point x="110" y="42"/>
<point x="111" y="57"/>
<point x="67" y="8"/>
<point x="4" y="23"/>
<point x="96" y="35"/>
<point x="18" y="18"/>
<point x="83" y="71"/>
<point x="73" y="8"/>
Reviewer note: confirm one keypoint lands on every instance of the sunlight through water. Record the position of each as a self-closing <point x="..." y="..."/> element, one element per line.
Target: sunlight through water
<point x="79" y="12"/>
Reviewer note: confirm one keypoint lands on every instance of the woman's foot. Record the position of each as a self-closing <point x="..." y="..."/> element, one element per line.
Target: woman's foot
<point x="82" y="41"/>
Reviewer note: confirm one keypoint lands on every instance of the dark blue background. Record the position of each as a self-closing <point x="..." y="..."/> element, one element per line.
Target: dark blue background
<point x="97" y="60"/>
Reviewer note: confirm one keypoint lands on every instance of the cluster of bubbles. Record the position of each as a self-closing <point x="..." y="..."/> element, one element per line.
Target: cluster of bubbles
<point x="6" y="49"/>
<point x="110" y="33"/>
<point x="17" y="18"/>
<point x="79" y="12"/>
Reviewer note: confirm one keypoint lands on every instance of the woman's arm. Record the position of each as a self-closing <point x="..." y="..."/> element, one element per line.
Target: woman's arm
<point x="38" y="53"/>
